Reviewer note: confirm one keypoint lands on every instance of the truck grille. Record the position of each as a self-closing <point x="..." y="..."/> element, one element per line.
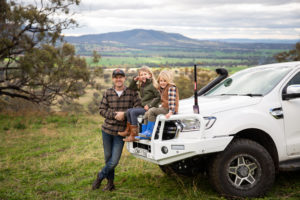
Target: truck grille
<point x="142" y="146"/>
<point x="169" y="132"/>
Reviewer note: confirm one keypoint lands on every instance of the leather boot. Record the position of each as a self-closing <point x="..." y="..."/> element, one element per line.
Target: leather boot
<point x="133" y="133"/>
<point x="109" y="186"/>
<point x="97" y="183"/>
<point x="126" y="132"/>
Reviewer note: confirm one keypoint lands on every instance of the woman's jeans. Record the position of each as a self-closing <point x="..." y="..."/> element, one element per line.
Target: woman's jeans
<point x="133" y="113"/>
<point x="113" y="146"/>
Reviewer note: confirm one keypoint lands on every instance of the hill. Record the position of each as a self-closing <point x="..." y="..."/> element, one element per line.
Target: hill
<point x="134" y="38"/>
<point x="262" y="41"/>
<point x="140" y="43"/>
<point x="147" y="39"/>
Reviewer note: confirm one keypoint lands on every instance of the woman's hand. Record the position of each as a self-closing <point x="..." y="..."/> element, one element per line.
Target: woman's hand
<point x="168" y="115"/>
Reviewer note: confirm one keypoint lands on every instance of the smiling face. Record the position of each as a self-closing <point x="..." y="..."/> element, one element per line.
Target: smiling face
<point x="163" y="82"/>
<point x="143" y="75"/>
<point x="119" y="82"/>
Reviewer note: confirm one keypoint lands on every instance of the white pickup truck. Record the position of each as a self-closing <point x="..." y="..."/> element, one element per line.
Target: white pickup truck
<point x="247" y="130"/>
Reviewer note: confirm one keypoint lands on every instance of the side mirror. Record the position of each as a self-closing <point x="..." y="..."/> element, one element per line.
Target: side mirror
<point x="292" y="92"/>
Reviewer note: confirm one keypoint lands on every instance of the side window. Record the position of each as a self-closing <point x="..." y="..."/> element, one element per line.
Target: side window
<point x="293" y="81"/>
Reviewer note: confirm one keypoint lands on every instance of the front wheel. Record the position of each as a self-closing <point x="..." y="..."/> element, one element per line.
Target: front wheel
<point x="243" y="169"/>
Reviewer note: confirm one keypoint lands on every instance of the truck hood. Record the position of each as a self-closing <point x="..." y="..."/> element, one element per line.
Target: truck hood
<point x="214" y="104"/>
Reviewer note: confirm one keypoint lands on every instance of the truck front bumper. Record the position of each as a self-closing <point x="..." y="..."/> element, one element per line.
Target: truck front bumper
<point x="169" y="151"/>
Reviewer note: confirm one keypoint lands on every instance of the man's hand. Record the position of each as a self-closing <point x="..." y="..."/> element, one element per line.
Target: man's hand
<point x="119" y="116"/>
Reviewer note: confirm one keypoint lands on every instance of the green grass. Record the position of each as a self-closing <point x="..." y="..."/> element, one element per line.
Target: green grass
<point x="135" y="61"/>
<point x="58" y="156"/>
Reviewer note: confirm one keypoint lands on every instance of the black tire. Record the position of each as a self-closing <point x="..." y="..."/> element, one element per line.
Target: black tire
<point x="187" y="167"/>
<point x="243" y="169"/>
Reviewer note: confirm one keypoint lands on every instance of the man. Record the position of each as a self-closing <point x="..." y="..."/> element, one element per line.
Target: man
<point x="114" y="104"/>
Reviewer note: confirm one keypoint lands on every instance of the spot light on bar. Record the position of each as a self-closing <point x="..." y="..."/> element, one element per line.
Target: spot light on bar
<point x="164" y="149"/>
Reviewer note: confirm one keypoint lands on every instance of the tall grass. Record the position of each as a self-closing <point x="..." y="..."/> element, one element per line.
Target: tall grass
<point x="58" y="157"/>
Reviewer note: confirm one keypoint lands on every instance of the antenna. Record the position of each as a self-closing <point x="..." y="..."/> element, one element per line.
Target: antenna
<point x="195" y="107"/>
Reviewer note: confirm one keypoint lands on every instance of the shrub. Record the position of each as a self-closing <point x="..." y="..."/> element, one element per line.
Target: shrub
<point x="19" y="125"/>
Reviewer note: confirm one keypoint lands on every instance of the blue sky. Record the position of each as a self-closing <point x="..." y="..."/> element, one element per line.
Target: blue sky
<point x="199" y="19"/>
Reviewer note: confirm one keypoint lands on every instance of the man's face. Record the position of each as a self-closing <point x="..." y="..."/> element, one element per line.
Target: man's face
<point x="118" y="81"/>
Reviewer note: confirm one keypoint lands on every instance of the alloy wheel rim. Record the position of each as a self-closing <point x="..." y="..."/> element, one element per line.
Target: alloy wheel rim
<point x="243" y="171"/>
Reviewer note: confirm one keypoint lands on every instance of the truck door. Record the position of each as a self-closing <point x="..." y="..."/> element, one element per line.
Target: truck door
<point x="291" y="113"/>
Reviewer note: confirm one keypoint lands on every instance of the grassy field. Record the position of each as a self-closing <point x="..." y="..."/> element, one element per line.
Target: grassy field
<point x="134" y="61"/>
<point x="57" y="157"/>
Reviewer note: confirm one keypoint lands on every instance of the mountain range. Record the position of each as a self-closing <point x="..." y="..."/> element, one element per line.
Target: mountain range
<point x="140" y="40"/>
<point x="136" y="37"/>
<point x="142" y="37"/>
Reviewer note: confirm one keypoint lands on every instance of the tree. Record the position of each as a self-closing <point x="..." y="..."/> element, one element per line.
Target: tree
<point x="32" y="66"/>
<point x="292" y="55"/>
<point x="96" y="56"/>
<point x="185" y="86"/>
<point x="97" y="71"/>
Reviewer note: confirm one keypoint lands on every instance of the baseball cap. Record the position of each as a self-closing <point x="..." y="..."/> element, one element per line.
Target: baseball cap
<point x="118" y="72"/>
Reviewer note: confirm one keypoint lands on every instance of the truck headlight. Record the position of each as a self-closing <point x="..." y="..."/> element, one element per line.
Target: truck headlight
<point x="186" y="125"/>
<point x="190" y="125"/>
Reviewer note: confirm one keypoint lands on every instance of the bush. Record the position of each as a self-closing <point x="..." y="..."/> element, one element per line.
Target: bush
<point x="93" y="106"/>
<point x="19" y="125"/>
<point x="70" y="106"/>
<point x="16" y="105"/>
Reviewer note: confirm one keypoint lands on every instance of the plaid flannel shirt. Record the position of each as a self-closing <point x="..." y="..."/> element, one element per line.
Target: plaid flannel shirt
<point x="112" y="103"/>
<point x="172" y="99"/>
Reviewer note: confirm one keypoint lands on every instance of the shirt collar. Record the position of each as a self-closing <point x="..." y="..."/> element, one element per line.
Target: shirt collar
<point x="125" y="88"/>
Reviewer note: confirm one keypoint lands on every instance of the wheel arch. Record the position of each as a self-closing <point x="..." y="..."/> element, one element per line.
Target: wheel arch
<point x="263" y="139"/>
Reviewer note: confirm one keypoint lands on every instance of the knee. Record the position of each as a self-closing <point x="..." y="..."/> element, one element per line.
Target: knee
<point x="107" y="156"/>
<point x="132" y="113"/>
<point x="112" y="164"/>
<point x="128" y="112"/>
<point x="152" y="112"/>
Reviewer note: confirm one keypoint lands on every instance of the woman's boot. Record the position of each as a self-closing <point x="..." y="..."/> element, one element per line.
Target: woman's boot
<point x="126" y="132"/>
<point x="133" y="133"/>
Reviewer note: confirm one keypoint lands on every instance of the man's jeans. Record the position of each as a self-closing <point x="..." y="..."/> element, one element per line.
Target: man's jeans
<point x="113" y="146"/>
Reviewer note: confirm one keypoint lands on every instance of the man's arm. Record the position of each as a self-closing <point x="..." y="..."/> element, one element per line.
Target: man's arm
<point x="105" y="111"/>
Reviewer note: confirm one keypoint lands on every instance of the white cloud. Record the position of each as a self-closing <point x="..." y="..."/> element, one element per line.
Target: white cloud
<point x="193" y="18"/>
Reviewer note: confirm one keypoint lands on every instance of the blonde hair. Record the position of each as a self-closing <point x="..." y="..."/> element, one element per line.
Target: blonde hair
<point x="147" y="69"/>
<point x="166" y="75"/>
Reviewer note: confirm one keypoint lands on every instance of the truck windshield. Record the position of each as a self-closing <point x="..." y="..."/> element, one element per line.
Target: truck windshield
<point x="250" y="82"/>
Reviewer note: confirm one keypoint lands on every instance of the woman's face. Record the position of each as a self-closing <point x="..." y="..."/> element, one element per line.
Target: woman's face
<point x="162" y="83"/>
<point x="144" y="76"/>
